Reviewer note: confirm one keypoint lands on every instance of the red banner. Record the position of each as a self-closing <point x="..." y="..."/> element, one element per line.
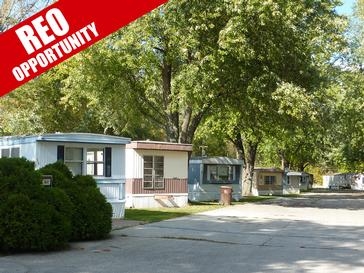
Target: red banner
<point x="60" y="31"/>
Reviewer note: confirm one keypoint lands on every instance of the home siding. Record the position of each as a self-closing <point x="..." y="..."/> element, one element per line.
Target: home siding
<point x="175" y="163"/>
<point x="175" y="192"/>
<point x="172" y="185"/>
<point x="113" y="188"/>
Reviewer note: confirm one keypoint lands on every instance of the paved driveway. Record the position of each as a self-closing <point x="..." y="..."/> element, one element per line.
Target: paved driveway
<point x="315" y="233"/>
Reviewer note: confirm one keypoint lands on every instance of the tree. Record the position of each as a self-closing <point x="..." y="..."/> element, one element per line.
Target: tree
<point x="348" y="131"/>
<point x="15" y="11"/>
<point x="40" y="107"/>
<point x="156" y="70"/>
<point x="267" y="44"/>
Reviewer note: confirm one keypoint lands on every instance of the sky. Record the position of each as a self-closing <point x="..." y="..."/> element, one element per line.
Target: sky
<point x="346" y="8"/>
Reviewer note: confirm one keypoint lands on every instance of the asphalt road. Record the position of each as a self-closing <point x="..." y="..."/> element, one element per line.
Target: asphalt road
<point x="314" y="233"/>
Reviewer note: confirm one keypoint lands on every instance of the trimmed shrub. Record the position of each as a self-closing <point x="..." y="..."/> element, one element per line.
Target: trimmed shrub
<point x="32" y="217"/>
<point x="91" y="213"/>
<point x="17" y="175"/>
<point x="27" y="224"/>
<point x="85" y="181"/>
<point x="61" y="167"/>
<point x="61" y="178"/>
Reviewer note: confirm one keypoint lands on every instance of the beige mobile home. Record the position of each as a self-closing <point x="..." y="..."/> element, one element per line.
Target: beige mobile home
<point x="156" y="174"/>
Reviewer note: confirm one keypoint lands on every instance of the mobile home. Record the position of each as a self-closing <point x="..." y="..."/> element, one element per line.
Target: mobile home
<point x="157" y="174"/>
<point x="208" y="174"/>
<point x="100" y="156"/>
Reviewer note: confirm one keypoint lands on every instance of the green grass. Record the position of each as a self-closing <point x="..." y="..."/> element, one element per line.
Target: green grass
<point x="160" y="214"/>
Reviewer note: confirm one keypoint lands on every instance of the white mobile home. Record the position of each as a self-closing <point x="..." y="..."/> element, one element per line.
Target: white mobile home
<point x="295" y="181"/>
<point x="354" y="181"/>
<point x="156" y="174"/>
<point x="100" y="156"/>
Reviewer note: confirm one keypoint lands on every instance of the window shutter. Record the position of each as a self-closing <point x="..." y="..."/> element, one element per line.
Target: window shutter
<point x="60" y="153"/>
<point x="108" y="162"/>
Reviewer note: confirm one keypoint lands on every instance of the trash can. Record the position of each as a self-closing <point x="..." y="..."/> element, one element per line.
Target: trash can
<point x="225" y="195"/>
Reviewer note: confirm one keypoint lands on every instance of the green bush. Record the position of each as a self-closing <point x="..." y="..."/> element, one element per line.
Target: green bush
<point x="61" y="167"/>
<point x="91" y="214"/>
<point x="61" y="178"/>
<point x="27" y="224"/>
<point x="85" y="181"/>
<point x="32" y="217"/>
<point x="17" y="175"/>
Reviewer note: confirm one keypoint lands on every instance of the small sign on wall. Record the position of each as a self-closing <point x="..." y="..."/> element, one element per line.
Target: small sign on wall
<point x="47" y="180"/>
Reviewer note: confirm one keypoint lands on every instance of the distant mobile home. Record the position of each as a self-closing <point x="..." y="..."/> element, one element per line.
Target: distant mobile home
<point x="295" y="181"/>
<point x="157" y="174"/>
<point x="208" y="174"/>
<point x="357" y="182"/>
<point x="354" y="181"/>
<point x="269" y="181"/>
<point x="100" y="156"/>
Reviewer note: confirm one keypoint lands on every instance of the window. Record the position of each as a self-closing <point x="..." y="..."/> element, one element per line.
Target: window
<point x="95" y="162"/>
<point x="15" y="152"/>
<point x="220" y="173"/>
<point x="10" y="152"/>
<point x="73" y="159"/>
<point x="269" y="180"/>
<point x="5" y="152"/>
<point x="153" y="172"/>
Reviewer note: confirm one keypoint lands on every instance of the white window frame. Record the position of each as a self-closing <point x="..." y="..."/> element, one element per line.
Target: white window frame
<point x="95" y="162"/>
<point x="153" y="175"/>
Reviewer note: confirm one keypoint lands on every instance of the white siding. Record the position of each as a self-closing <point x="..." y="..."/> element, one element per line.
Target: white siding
<point x="133" y="166"/>
<point x="26" y="150"/>
<point x="175" y="163"/>
<point x="118" y="161"/>
<point x="46" y="153"/>
<point x="113" y="188"/>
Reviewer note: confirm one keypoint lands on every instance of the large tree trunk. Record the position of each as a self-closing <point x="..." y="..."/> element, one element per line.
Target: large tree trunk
<point x="249" y="186"/>
<point x="284" y="162"/>
<point x="184" y="136"/>
<point x="172" y="117"/>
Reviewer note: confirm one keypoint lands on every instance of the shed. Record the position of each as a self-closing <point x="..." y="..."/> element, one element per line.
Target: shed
<point x="208" y="174"/>
<point x="269" y="181"/>
<point x="100" y="156"/>
<point x="157" y="174"/>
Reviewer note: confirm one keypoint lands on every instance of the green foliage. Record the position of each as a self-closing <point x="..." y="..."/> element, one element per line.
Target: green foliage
<point x="31" y="217"/>
<point x="34" y="217"/>
<point x="91" y="213"/>
<point x="91" y="218"/>
<point x="17" y="176"/>
<point x="85" y="181"/>
<point x="31" y="225"/>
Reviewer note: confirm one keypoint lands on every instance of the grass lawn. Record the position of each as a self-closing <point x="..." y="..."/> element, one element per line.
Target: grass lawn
<point x="160" y="214"/>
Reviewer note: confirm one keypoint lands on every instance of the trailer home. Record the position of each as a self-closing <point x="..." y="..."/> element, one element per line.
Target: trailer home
<point x="100" y="156"/>
<point x="208" y="174"/>
<point x="156" y="174"/>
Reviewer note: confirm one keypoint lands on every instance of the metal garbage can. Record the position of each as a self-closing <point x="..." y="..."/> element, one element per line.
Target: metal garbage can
<point x="225" y="195"/>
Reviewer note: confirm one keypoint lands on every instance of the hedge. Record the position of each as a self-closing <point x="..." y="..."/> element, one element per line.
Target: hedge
<point x="38" y="218"/>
